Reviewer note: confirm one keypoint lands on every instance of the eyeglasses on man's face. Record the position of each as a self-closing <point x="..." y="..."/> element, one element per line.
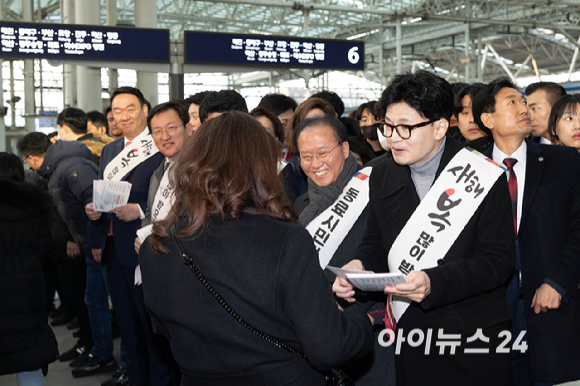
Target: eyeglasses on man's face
<point x="158" y="132"/>
<point x="323" y="156"/>
<point x="403" y="131"/>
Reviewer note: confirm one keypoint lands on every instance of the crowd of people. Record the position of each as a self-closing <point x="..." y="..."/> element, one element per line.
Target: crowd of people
<point x="216" y="271"/>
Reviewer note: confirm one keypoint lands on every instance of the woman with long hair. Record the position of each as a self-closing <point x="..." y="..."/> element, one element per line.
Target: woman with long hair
<point x="233" y="220"/>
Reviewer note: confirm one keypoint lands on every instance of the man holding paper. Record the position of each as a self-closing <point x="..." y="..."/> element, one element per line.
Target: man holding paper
<point x="168" y="123"/>
<point x="133" y="159"/>
<point x="442" y="216"/>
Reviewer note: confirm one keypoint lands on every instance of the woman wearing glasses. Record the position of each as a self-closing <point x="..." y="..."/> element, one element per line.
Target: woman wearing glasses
<point x="234" y="221"/>
<point x="330" y="167"/>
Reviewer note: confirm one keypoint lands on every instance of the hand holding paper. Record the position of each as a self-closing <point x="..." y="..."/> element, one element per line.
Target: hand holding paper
<point x="109" y="195"/>
<point x="417" y="287"/>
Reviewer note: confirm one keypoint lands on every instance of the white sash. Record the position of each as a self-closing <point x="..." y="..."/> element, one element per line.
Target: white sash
<point x="162" y="203"/>
<point x="141" y="149"/>
<point x="281" y="166"/>
<point x="324" y="229"/>
<point x="441" y="216"/>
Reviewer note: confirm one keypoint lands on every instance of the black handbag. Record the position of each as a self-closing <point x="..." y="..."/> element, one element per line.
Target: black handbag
<point x="334" y="377"/>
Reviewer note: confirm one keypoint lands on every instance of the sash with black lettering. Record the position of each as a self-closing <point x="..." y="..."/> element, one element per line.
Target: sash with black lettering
<point x="329" y="228"/>
<point x="141" y="149"/>
<point x="439" y="219"/>
<point x="161" y="203"/>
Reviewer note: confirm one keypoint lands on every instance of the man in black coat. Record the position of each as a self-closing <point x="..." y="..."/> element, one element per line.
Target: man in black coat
<point x="70" y="174"/>
<point x="544" y="288"/>
<point x="461" y="297"/>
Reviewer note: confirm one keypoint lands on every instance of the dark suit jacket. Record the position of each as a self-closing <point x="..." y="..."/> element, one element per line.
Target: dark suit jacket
<point x="125" y="232"/>
<point x="549" y="244"/>
<point x="467" y="286"/>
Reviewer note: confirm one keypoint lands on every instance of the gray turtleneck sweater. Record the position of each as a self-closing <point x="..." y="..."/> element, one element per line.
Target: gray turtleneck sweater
<point x="423" y="175"/>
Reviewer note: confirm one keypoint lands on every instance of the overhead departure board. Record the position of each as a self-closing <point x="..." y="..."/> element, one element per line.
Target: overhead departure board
<point x="67" y="41"/>
<point x="273" y="51"/>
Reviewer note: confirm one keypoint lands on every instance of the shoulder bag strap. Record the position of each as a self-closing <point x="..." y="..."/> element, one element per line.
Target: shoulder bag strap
<point x="187" y="260"/>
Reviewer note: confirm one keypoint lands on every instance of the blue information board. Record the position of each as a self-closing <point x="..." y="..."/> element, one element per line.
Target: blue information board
<point x="72" y="41"/>
<point x="273" y="51"/>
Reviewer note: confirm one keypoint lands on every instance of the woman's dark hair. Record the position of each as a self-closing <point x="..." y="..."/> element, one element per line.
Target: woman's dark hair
<point x="370" y="106"/>
<point x="470" y="90"/>
<point x="427" y="93"/>
<point x="566" y="103"/>
<point x="300" y="114"/>
<point x="329" y="121"/>
<point x="278" y="126"/>
<point x="484" y="101"/>
<point x="11" y="167"/>
<point x="361" y="147"/>
<point x="230" y="166"/>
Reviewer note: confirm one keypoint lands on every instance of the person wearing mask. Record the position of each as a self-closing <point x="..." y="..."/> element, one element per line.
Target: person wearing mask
<point x="69" y="173"/>
<point x="473" y="136"/>
<point x="222" y="208"/>
<point x="365" y="115"/>
<point x="27" y="344"/>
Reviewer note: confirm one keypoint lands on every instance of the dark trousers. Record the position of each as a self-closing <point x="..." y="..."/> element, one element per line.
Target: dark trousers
<point x="73" y="274"/>
<point x="147" y="355"/>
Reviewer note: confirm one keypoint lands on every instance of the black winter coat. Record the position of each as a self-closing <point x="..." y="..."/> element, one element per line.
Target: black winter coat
<point x="70" y="175"/>
<point x="26" y="341"/>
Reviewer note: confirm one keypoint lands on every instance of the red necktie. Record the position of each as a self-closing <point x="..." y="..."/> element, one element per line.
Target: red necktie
<point x="513" y="186"/>
<point x="111" y="223"/>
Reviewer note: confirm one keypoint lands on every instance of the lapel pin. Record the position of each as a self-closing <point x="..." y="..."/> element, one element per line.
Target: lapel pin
<point x="541" y="159"/>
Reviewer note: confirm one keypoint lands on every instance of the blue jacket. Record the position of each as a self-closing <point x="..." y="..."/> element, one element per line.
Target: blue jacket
<point x="70" y="175"/>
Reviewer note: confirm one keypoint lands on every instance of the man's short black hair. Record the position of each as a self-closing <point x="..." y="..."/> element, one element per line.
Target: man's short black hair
<point x="553" y="90"/>
<point x="278" y="103"/>
<point x="331" y="121"/>
<point x="129" y="90"/>
<point x="197" y="98"/>
<point x="35" y="144"/>
<point x="332" y="98"/>
<point x="458" y="86"/>
<point x="484" y="101"/>
<point x="470" y="90"/>
<point x="98" y="119"/>
<point x="220" y="102"/>
<point x="178" y="107"/>
<point x="428" y="94"/>
<point x="75" y="119"/>
<point x="108" y="110"/>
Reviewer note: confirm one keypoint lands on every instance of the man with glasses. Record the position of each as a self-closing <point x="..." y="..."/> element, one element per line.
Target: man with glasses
<point x="169" y="129"/>
<point x="457" y="295"/>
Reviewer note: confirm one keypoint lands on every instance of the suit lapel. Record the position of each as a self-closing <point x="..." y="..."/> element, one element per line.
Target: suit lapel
<point x="534" y="169"/>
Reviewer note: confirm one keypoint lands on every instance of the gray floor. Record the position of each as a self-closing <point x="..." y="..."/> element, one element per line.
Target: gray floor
<point x="59" y="373"/>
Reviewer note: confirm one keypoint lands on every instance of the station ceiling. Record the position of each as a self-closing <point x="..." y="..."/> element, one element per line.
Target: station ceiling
<point x="521" y="38"/>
